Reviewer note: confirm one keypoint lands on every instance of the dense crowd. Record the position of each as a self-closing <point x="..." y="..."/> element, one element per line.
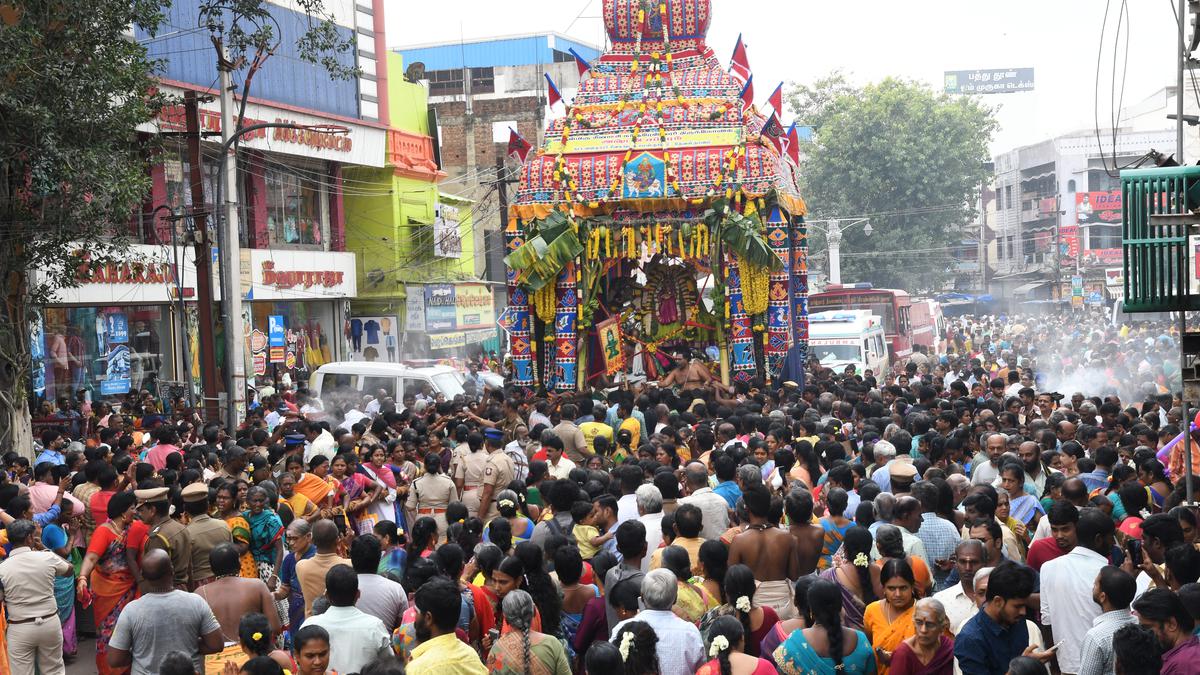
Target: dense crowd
<point x="1009" y="500"/>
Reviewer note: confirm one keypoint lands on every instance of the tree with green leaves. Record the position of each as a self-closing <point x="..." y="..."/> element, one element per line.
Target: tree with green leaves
<point x="72" y="168"/>
<point x="910" y="158"/>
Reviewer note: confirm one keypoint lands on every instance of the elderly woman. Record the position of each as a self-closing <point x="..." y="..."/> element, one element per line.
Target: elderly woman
<point x="522" y="650"/>
<point x="929" y="651"/>
<point x="889" y="621"/>
<point x="266" y="541"/>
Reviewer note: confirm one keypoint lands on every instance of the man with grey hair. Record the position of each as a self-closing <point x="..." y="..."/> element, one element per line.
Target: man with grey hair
<point x="884" y="452"/>
<point x="985" y="473"/>
<point x="27" y="576"/>
<point x="959" y="599"/>
<point x="883" y="505"/>
<point x="650" y="513"/>
<point x="680" y="648"/>
<point x="714" y="509"/>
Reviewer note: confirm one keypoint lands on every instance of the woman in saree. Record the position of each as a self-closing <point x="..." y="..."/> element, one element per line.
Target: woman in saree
<point x="835" y="525"/>
<point x="239" y="527"/>
<point x="1022" y="507"/>
<point x="314" y="484"/>
<point x="523" y="650"/>
<point x="826" y="647"/>
<point x="109" y="575"/>
<point x="54" y="538"/>
<point x="296" y="504"/>
<point x="853" y="575"/>
<point x="889" y="621"/>
<point x="383" y="506"/>
<point x="358" y="491"/>
<point x="266" y="542"/>
<point x="726" y="645"/>
<point x="929" y="651"/>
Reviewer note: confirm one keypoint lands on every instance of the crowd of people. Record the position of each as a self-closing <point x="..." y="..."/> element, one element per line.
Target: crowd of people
<point x="964" y="512"/>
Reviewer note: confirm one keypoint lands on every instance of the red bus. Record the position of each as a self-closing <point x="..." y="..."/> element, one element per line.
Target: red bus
<point x="893" y="306"/>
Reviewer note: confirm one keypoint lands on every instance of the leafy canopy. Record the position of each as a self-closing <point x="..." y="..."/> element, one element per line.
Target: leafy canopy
<point x="909" y="157"/>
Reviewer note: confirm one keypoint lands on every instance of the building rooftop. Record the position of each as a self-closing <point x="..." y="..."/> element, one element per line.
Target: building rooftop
<point x="509" y="50"/>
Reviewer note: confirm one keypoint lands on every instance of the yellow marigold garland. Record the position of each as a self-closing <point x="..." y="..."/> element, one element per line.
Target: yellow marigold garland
<point x="545" y="303"/>
<point x="755" y="286"/>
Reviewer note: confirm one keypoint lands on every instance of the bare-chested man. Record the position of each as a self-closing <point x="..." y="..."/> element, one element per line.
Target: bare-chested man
<point x="687" y="375"/>
<point x="769" y="551"/>
<point x="231" y="597"/>
<point x="809" y="537"/>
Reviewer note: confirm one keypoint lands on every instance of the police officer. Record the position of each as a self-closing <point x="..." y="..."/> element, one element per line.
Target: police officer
<point x="431" y="494"/>
<point x="166" y="533"/>
<point x="497" y="474"/>
<point x="204" y="532"/>
<point x="469" y="474"/>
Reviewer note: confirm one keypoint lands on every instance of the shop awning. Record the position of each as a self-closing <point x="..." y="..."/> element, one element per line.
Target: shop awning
<point x="1027" y="289"/>
<point x="1115" y="292"/>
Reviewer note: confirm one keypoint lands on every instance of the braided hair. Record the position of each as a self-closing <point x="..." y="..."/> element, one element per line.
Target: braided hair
<point x="739" y="584"/>
<point x="540" y="585"/>
<point x="733" y="632"/>
<point x="856" y="541"/>
<point x="518" y="612"/>
<point x="825" y="606"/>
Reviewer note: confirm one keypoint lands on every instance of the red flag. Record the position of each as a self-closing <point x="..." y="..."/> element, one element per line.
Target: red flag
<point x="517" y="145"/>
<point x="773" y="132"/>
<point x="580" y="62"/>
<point x="747" y="95"/>
<point x="740" y="65"/>
<point x="793" y="145"/>
<point x="552" y="94"/>
<point x="776" y="99"/>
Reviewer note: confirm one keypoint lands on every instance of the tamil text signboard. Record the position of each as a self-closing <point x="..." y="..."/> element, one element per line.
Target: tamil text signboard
<point x="989" y="81"/>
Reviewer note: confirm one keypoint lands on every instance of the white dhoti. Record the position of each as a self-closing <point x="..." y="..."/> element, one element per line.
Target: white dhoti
<point x="778" y="596"/>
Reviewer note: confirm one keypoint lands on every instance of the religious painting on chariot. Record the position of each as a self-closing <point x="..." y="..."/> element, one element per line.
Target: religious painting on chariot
<point x="645" y="177"/>
<point x="609" y="332"/>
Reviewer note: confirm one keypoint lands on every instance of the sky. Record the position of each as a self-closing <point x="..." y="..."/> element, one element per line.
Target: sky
<point x="868" y="40"/>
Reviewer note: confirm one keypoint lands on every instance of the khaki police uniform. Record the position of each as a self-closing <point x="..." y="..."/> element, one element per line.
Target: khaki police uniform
<point x="430" y="495"/>
<point x="470" y="472"/>
<point x="499" y="472"/>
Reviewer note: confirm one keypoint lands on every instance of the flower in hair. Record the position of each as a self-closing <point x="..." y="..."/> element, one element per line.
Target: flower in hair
<point x="626" y="645"/>
<point x="743" y="604"/>
<point x="719" y="644"/>
<point x="507" y="503"/>
<point x="257" y="636"/>
<point x="861" y="560"/>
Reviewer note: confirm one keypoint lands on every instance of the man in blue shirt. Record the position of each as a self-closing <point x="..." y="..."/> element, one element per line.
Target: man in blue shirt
<point x="1106" y="458"/>
<point x="53" y="442"/>
<point x="997" y="633"/>
<point x="727" y="487"/>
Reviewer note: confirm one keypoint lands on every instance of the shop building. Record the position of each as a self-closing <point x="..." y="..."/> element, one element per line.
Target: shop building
<point x="419" y="295"/>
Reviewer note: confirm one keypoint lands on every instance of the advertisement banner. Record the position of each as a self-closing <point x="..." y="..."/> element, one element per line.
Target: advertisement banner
<point x="441" y="315"/>
<point x="37" y="352"/>
<point x="112" y="336"/>
<point x="277" y="338"/>
<point x="447" y="340"/>
<point x="1068" y="241"/>
<point x="1100" y="209"/>
<point x="374" y="338"/>
<point x="989" y="81"/>
<point x="473" y="306"/>
<point x="414" y="309"/>
<point x="446" y="241"/>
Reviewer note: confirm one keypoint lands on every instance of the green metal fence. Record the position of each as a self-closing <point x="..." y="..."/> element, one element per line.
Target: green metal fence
<point x="1157" y="207"/>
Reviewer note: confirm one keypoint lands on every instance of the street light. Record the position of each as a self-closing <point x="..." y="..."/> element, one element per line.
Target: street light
<point x="833" y="235"/>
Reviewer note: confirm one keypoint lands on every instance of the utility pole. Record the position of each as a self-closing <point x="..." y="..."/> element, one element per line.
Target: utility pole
<point x="204" y="294"/>
<point x="834" y="237"/>
<point x="1181" y="59"/>
<point x="231" y="285"/>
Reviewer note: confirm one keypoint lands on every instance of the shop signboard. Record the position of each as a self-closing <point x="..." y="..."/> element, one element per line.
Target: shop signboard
<point x="441" y="314"/>
<point x="258" y="352"/>
<point x="374" y="338"/>
<point x="1099" y="209"/>
<point x="414" y="309"/>
<point x="291" y="274"/>
<point x="989" y="81"/>
<point x="1076" y="291"/>
<point x="139" y="275"/>
<point x="349" y="143"/>
<point x="1114" y="276"/>
<point x="276" y="336"/>
<point x="474" y="307"/>
<point x="447" y="340"/>
<point x="446" y="241"/>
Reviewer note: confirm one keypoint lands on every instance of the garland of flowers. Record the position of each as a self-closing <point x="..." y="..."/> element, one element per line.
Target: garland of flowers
<point x="544" y="303"/>
<point x="755" y="286"/>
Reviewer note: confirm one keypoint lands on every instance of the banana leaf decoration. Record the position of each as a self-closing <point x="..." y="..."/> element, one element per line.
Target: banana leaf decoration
<point x="742" y="234"/>
<point x="539" y="262"/>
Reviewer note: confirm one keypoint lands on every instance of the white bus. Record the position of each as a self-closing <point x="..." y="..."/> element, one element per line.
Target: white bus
<point x="848" y="337"/>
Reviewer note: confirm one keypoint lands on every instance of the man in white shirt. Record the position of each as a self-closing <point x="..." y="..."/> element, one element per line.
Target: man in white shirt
<point x="630" y="479"/>
<point x="987" y="472"/>
<point x="319" y="442"/>
<point x="355" y="637"/>
<point x="959" y="599"/>
<point x="353" y="416"/>
<point x="557" y="464"/>
<point x="650" y="513"/>
<point x="1067" y="583"/>
<point x="680" y="648"/>
<point x="378" y="596"/>
<point x="713" y="506"/>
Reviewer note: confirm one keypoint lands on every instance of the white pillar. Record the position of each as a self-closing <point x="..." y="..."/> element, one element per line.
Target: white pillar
<point x="231" y="284"/>
<point x="834" y="238"/>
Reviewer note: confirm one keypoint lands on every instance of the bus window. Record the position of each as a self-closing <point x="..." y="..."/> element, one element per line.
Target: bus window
<point x="905" y="324"/>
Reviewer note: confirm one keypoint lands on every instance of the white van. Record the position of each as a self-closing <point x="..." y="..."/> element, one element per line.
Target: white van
<point x="848" y="337"/>
<point x="369" y="377"/>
